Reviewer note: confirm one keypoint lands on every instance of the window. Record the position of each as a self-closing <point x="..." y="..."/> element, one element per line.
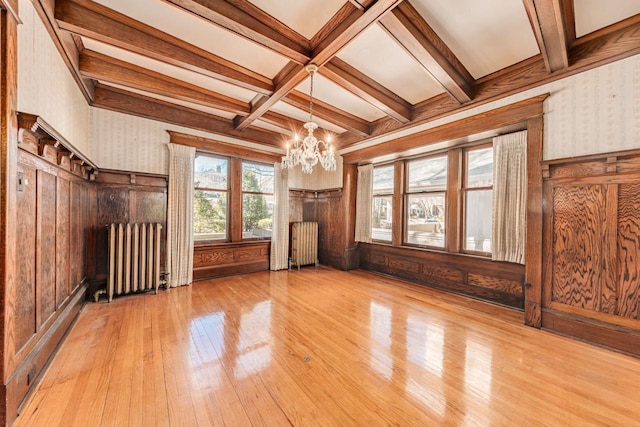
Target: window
<point x="425" y="201"/>
<point x="478" y="199"/>
<point x="257" y="200"/>
<point x="381" y="206"/>
<point x="210" y="198"/>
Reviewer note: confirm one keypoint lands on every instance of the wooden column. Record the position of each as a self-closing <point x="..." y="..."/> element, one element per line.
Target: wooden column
<point x="397" y="233"/>
<point x="350" y="178"/>
<point x="8" y="184"/>
<point x="533" y="268"/>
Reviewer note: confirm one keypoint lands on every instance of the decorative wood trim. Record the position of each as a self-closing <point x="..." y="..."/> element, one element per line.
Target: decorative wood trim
<point x="412" y="32"/>
<point x="494" y="119"/>
<point x="366" y="88"/>
<point x="534" y="238"/>
<point x="610" y="44"/>
<point x="549" y="25"/>
<point x="49" y="136"/>
<point x="12" y="7"/>
<point x="218" y="147"/>
<point x="90" y="19"/>
<point x="142" y="106"/>
<point x="248" y="21"/>
<point x="325" y="111"/>
<point x="397" y="226"/>
<point x="324" y="52"/>
<point x="101" y="67"/>
<point x="453" y="225"/>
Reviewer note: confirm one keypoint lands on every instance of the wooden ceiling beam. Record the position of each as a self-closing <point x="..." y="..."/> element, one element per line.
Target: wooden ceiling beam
<point x="415" y="36"/>
<point x="366" y="88"/>
<point x="324" y="52"/>
<point x="607" y="45"/>
<point x="248" y="21"/>
<point x="92" y="20"/>
<point x="328" y="112"/>
<point x="550" y="21"/>
<point x="126" y="102"/>
<point x="101" y="67"/>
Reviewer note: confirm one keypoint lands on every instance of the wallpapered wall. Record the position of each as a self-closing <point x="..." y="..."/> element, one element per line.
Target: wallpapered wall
<point x="46" y="87"/>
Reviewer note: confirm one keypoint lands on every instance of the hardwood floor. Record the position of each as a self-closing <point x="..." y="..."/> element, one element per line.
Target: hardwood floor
<point x="324" y="347"/>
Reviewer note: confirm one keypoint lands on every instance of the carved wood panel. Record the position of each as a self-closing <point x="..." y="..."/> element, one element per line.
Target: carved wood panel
<point x="578" y="221"/>
<point x="629" y="251"/>
<point x="25" y="320"/>
<point x="76" y="236"/>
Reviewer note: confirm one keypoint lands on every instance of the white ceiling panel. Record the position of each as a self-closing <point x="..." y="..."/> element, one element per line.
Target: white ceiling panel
<point x="269" y="126"/>
<point x="327" y="91"/>
<point x="377" y="55"/>
<point x="187" y="104"/>
<point x="198" y="32"/>
<point x="306" y="17"/>
<point x="296" y="113"/>
<point x="591" y="15"/>
<point x="486" y="35"/>
<point x="171" y="70"/>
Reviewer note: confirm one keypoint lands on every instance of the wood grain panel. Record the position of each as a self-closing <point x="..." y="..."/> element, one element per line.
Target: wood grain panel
<point x="580" y="169"/>
<point x="579" y="215"/>
<point x="63" y="230"/>
<point x="75" y="236"/>
<point x="437" y="272"/>
<point x="629" y="251"/>
<point x="46" y="247"/>
<point x="25" y="315"/>
<point x="150" y="207"/>
<point x="224" y="259"/>
<point x="113" y="205"/>
<point x="495" y="283"/>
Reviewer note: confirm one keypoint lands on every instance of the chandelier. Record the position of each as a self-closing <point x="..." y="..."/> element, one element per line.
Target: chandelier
<point x="306" y="152"/>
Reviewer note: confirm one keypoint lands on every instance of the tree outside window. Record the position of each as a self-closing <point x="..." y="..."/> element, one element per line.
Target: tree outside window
<point x="210" y="198"/>
<point x="257" y="200"/>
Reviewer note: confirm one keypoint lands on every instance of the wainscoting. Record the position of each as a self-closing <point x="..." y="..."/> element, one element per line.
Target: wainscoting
<point x="592" y="249"/>
<point x="224" y="259"/>
<point x="472" y="276"/>
<point x="53" y="229"/>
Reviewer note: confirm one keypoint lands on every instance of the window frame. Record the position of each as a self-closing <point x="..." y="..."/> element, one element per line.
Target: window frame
<point x="381" y="194"/>
<point x="242" y="194"/>
<point x="407" y="193"/>
<point x="464" y="190"/>
<point x="227" y="191"/>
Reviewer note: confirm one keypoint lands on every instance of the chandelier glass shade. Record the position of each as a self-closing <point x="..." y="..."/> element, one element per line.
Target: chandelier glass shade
<point x="308" y="151"/>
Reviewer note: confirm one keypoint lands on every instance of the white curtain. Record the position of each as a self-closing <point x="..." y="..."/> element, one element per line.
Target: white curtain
<point x="364" y="195"/>
<point x="509" y="197"/>
<point x="180" y="215"/>
<point x="280" y="224"/>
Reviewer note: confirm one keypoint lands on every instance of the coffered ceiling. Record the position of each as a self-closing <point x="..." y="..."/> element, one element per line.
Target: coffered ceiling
<point x="236" y="67"/>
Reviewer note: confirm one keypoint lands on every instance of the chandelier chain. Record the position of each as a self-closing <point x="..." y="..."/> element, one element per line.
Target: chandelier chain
<point x="311" y="99"/>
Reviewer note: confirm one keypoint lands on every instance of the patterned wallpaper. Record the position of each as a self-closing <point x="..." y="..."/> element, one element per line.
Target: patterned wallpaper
<point x="46" y="87"/>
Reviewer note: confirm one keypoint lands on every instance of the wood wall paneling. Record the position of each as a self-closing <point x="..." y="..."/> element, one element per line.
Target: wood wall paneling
<point x="224" y="259"/>
<point x="628" y="236"/>
<point x="26" y="262"/>
<point x="46" y="247"/>
<point x="63" y="241"/>
<point x="592" y="240"/>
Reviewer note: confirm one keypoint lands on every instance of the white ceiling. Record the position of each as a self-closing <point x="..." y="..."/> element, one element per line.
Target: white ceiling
<point x="591" y="15"/>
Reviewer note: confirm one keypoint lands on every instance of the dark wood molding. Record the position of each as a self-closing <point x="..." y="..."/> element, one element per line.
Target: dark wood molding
<point x="12" y="7"/>
<point x="325" y="111"/>
<point x="106" y="69"/>
<point x="324" y="52"/>
<point x="366" y="88"/>
<point x="92" y="20"/>
<point x="421" y="42"/>
<point x="494" y="119"/>
<point x="549" y="26"/>
<point x="49" y="136"/>
<point x="534" y="220"/>
<point x="248" y="21"/>
<point x="142" y="106"/>
<point x="226" y="149"/>
<point x="610" y="44"/>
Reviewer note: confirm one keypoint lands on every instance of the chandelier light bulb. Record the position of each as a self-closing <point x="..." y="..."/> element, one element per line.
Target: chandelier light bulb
<point x="306" y="153"/>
